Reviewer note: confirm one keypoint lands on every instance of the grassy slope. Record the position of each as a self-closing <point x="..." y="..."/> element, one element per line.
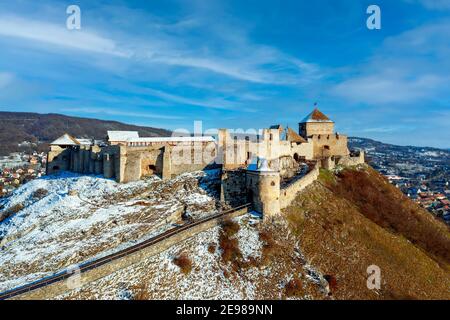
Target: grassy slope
<point x="357" y="219"/>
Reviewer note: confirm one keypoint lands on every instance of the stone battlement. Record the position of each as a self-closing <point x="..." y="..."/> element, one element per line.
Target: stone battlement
<point x="253" y="165"/>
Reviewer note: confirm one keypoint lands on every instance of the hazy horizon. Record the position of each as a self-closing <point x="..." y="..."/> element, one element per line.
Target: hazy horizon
<point x="191" y="128"/>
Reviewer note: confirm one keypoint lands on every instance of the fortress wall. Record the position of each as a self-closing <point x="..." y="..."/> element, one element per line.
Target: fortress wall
<point x="235" y="151"/>
<point x="61" y="287"/>
<point x="305" y="150"/>
<point x="238" y="154"/>
<point x="108" y="165"/>
<point x="132" y="166"/>
<point x="233" y="187"/>
<point x="288" y="193"/>
<point x="108" y="154"/>
<point x="85" y="152"/>
<point x="352" y="160"/>
<point x="192" y="157"/>
<point x="328" y="163"/>
<point x="152" y="162"/>
<point x="312" y="128"/>
<point x="263" y="189"/>
<point x="58" y="159"/>
<point x="337" y="145"/>
<point x="285" y="148"/>
<point x="120" y="162"/>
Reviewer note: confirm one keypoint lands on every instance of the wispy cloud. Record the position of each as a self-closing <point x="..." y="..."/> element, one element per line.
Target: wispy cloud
<point x="5" y="79"/>
<point x="109" y="111"/>
<point x="13" y="26"/>
<point x="208" y="103"/>
<point x="433" y="4"/>
<point x="388" y="129"/>
<point x="390" y="88"/>
<point x="410" y="67"/>
<point x="260" y="63"/>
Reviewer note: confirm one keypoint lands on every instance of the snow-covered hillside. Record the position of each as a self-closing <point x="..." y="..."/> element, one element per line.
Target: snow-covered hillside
<point x="158" y="277"/>
<point x="66" y="219"/>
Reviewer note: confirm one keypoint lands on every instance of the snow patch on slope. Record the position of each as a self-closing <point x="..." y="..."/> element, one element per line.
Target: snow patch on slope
<point x="83" y="217"/>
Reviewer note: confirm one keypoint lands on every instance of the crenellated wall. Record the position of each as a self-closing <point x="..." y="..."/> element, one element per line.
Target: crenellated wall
<point x="289" y="192"/>
<point x="352" y="160"/>
<point x="327" y="145"/>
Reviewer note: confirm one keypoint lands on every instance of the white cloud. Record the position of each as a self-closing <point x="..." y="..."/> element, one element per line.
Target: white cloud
<point x="211" y="103"/>
<point x="113" y="112"/>
<point x="409" y="67"/>
<point x="383" y="88"/>
<point x="5" y="79"/>
<point x="12" y="26"/>
<point x="433" y="4"/>
<point x="241" y="60"/>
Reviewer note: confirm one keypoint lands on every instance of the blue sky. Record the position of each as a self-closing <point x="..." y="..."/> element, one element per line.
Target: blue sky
<point x="236" y="64"/>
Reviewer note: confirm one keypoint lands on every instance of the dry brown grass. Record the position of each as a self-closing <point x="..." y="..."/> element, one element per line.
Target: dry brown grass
<point x="230" y="248"/>
<point x="229" y="227"/>
<point x="332" y="282"/>
<point x="296" y="221"/>
<point x="229" y="245"/>
<point x="141" y="292"/>
<point x="10" y="211"/>
<point x="212" y="248"/>
<point x="388" y="207"/>
<point x="340" y="239"/>
<point x="270" y="248"/>
<point x="39" y="194"/>
<point x="294" y="288"/>
<point x="183" y="262"/>
<point x="141" y="203"/>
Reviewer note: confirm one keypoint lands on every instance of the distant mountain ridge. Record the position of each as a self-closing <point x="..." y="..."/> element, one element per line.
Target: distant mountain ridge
<point x="40" y="129"/>
<point x="358" y="142"/>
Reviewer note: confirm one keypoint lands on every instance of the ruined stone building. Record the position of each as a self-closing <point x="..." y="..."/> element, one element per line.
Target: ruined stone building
<point x="258" y="167"/>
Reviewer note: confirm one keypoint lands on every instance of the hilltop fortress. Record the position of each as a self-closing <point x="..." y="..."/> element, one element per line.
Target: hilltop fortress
<point x="266" y="168"/>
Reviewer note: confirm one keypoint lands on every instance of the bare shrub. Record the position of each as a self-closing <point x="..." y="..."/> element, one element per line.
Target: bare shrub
<point x="141" y="203"/>
<point x="294" y="288"/>
<point x="211" y="248"/>
<point x="269" y="248"/>
<point x="229" y="245"/>
<point x="332" y="281"/>
<point x="10" y="211"/>
<point x="230" y="248"/>
<point x="183" y="262"/>
<point x="141" y="292"/>
<point x="229" y="227"/>
<point x="39" y="194"/>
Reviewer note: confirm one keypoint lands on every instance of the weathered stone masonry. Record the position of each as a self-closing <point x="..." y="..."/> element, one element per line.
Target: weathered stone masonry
<point x="253" y="166"/>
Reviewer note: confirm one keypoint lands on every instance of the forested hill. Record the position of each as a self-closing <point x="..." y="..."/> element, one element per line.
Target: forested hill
<point x="40" y="129"/>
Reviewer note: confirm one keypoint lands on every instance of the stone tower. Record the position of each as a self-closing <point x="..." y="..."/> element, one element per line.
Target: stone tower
<point x="263" y="185"/>
<point x="315" y="123"/>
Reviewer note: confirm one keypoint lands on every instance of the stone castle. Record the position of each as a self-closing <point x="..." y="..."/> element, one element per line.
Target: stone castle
<point x="266" y="168"/>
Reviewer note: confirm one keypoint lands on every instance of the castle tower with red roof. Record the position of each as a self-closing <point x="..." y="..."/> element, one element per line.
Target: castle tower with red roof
<point x="315" y="123"/>
<point x="318" y="129"/>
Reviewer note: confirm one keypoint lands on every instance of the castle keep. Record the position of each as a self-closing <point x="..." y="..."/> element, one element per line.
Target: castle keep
<point x="266" y="168"/>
